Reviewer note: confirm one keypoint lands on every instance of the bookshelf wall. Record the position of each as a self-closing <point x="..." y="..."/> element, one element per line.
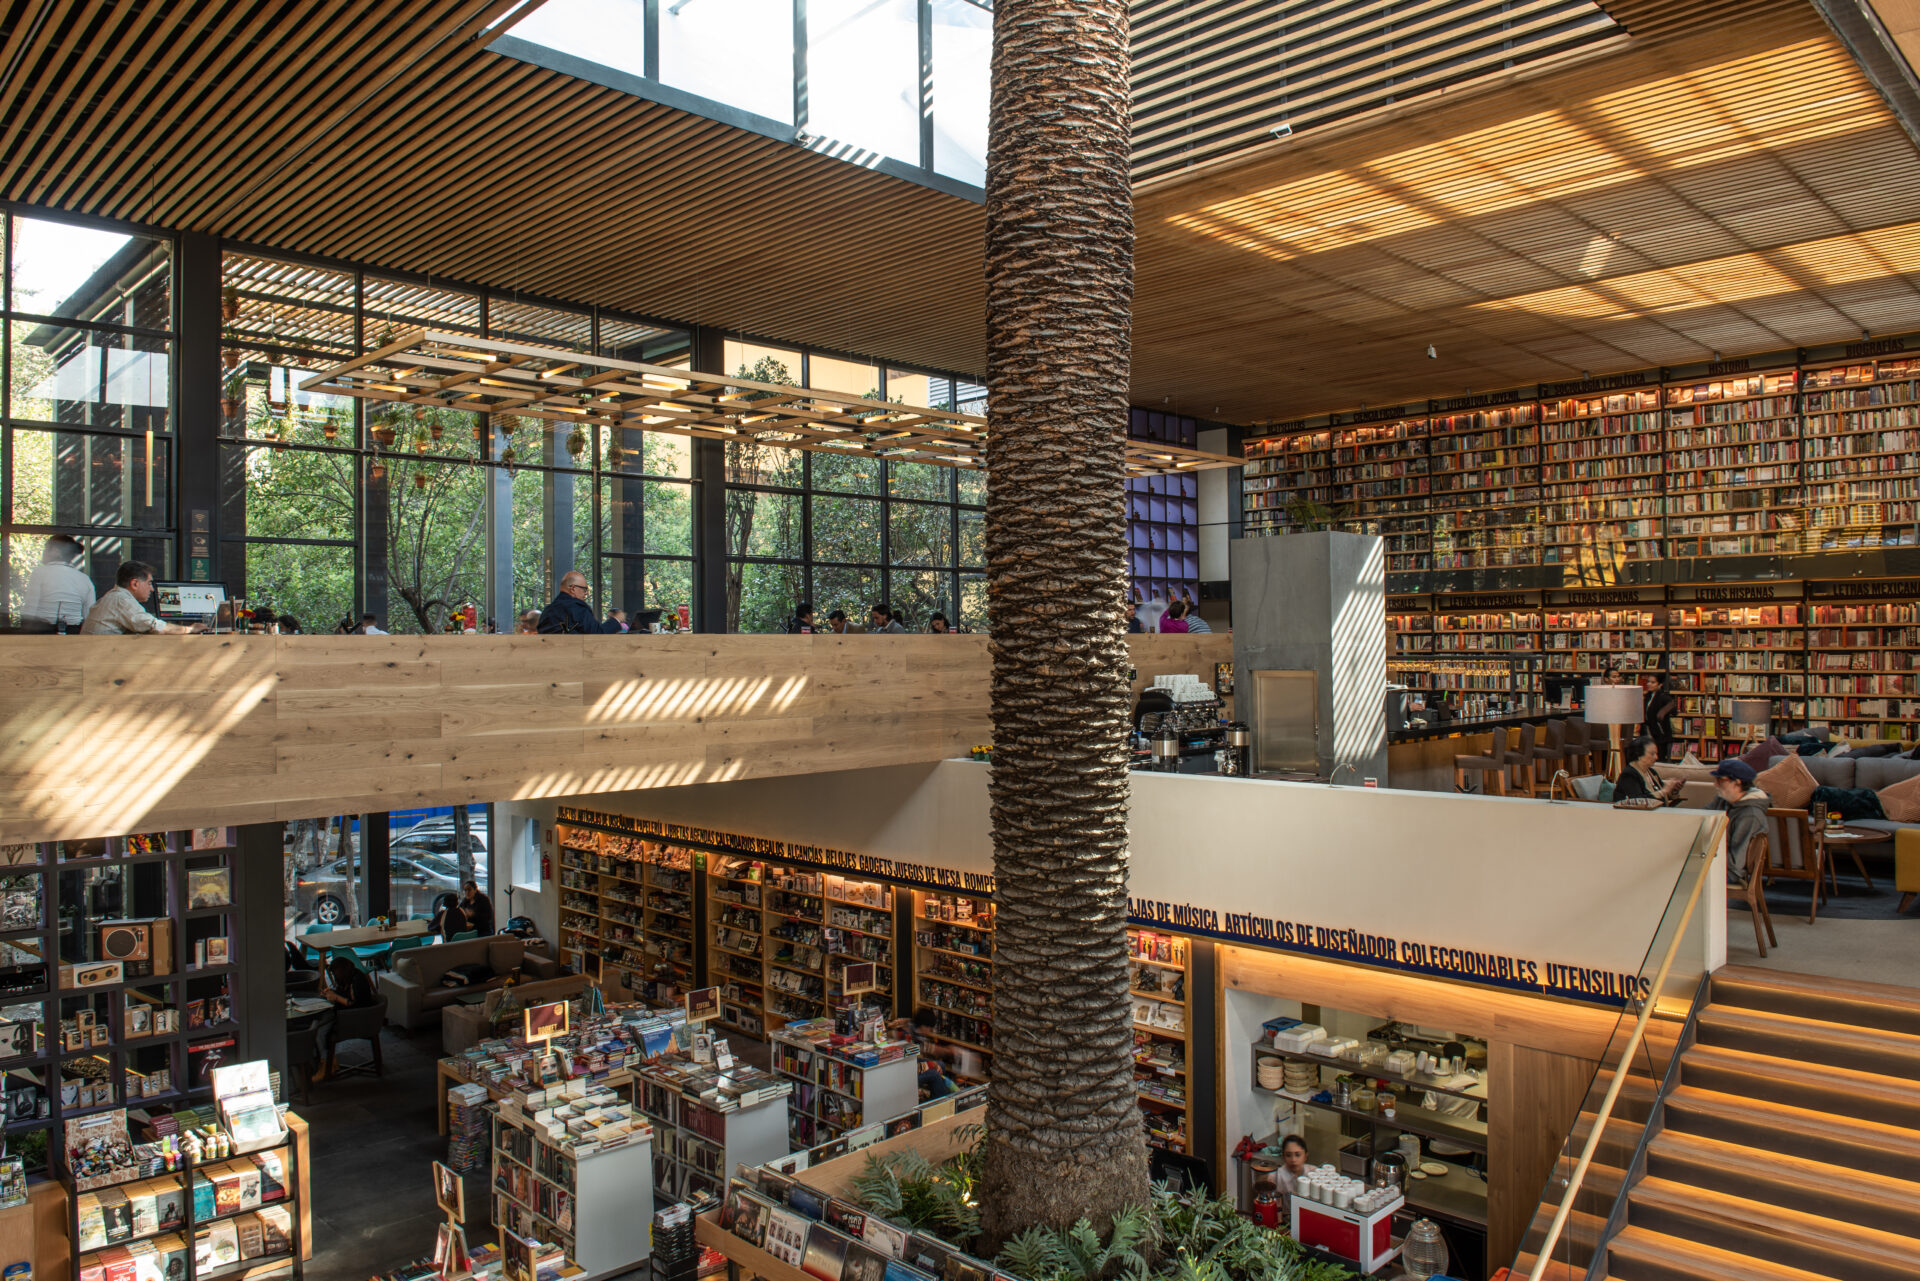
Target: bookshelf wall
<point x="615" y="894"/>
<point x="1841" y="654"/>
<point x="1798" y="454"/>
<point x="1158" y="981"/>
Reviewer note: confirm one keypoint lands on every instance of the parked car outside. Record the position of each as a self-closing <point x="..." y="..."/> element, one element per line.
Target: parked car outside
<point x="420" y="880"/>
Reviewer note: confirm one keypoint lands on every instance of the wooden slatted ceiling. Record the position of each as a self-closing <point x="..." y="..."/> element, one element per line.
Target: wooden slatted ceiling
<point x="1744" y="189"/>
<point x="386" y="134"/>
<point x="1215" y="77"/>
<point x="1516" y="225"/>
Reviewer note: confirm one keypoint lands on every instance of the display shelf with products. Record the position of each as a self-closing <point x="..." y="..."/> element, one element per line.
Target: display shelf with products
<point x="1602" y="473"/>
<point x="1485" y="468"/>
<point x="614" y="888"/>
<point x="578" y="1191"/>
<point x="852" y="907"/>
<point x="709" y="1121"/>
<point x="1733" y="466"/>
<point x="736" y="942"/>
<point x="953" y="959"/>
<point x="118" y="956"/>
<point x="1158" y="981"/>
<point x="1860" y="432"/>
<point x="842" y="1084"/>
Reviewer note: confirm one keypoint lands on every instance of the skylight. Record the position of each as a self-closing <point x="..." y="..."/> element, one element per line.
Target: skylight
<point x="894" y="85"/>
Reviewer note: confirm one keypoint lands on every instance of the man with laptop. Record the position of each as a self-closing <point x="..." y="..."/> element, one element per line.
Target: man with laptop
<point x="123" y="611"/>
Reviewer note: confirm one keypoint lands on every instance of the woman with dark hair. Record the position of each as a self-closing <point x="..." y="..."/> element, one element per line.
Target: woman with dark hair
<point x="478" y="909"/>
<point x="1639" y="780"/>
<point x="1661" y="706"/>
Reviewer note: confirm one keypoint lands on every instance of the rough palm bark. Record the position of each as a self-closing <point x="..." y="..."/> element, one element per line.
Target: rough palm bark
<point x="1064" y="1137"/>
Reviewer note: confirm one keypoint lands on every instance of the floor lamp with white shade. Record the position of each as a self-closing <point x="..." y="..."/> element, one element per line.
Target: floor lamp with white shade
<point x="1615" y="706"/>
<point x="1752" y="718"/>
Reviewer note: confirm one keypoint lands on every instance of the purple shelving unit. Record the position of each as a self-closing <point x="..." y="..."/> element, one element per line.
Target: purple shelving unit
<point x="1163" y="515"/>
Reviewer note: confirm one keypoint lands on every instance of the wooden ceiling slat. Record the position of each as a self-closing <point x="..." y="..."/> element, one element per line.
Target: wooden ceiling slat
<point x="313" y="66"/>
<point x="43" y="62"/>
<point x="60" y="178"/>
<point x="179" y="73"/>
<point x="119" y="30"/>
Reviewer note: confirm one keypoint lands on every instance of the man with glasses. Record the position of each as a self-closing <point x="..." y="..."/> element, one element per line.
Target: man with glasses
<point x="570" y="611"/>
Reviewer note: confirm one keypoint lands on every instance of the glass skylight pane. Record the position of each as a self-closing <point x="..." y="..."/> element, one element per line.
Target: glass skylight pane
<point x="609" y="32"/>
<point x="863" y="68"/>
<point x="737" y="52"/>
<point x="962" y="58"/>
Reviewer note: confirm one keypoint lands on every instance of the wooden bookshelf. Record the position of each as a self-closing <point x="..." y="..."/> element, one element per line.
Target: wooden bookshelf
<point x="1585" y="642"/>
<point x="1863" y="664"/>
<point x="1722" y="652"/>
<point x="1602" y="472"/>
<point x="1485" y="475"/>
<point x="611" y="889"/>
<point x="736" y="941"/>
<point x="1733" y="474"/>
<point x="1861" y="438"/>
<point x="1159" y="981"/>
<point x="953" y="974"/>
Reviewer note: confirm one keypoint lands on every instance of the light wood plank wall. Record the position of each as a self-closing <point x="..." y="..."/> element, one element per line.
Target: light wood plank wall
<point x="104" y="735"/>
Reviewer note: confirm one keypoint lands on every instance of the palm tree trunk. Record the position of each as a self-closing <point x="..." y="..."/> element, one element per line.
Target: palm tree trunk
<point x="1064" y="1136"/>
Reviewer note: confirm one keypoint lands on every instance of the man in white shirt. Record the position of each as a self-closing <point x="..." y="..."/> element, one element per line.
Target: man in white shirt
<point x="57" y="592"/>
<point x="122" y="611"/>
<point x="369" y="626"/>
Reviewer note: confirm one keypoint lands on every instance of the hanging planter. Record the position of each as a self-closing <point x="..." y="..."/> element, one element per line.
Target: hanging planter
<point x="377" y="472"/>
<point x="420" y="481"/>
<point x="616" y="456"/>
<point x="381" y="427"/>
<point x="329" y="428"/>
<point x="435" y="430"/>
<point x="230" y="303"/>
<point x="577" y="441"/>
<point x="508" y="457"/>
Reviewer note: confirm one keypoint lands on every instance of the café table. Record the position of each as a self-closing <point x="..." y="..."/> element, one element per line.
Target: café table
<point x="362" y="936"/>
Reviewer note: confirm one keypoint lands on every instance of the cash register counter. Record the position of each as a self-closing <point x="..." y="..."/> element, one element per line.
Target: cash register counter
<point x="1420" y="758"/>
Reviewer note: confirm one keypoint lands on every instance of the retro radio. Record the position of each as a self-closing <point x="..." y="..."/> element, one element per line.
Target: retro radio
<point x="94" y="974"/>
<point x="143" y="945"/>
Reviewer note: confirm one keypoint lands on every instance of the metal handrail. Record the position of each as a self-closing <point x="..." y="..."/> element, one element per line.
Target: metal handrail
<point x="1605" y="1112"/>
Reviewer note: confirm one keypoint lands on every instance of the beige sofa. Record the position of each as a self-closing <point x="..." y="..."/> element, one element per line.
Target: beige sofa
<point x="463" y="1026"/>
<point x="413" y="990"/>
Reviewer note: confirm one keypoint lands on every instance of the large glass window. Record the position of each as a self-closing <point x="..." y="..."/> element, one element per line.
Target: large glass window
<point x="845" y="532"/>
<point x="334" y="507"/>
<point x="736" y="52"/>
<point x="87" y="444"/>
<point x="962" y="57"/>
<point x="863" y="74"/>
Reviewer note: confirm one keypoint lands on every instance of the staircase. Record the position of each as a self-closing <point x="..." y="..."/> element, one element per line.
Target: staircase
<point x="1789" y="1147"/>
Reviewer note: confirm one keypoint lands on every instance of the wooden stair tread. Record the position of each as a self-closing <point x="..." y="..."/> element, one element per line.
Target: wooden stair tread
<point x="1720" y="1154"/>
<point x="1888" y="1089"/>
<point x="1881" y="995"/>
<point x="1689" y="1098"/>
<point x="1843" y="1035"/>
<point x="1813" y="1230"/>
<point x="1701" y="1261"/>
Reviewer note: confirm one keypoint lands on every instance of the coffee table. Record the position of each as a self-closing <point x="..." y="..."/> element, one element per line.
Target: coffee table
<point x="1849" y="839"/>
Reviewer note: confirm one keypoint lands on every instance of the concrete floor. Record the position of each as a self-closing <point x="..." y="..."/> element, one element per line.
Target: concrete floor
<point x="1869" y="951"/>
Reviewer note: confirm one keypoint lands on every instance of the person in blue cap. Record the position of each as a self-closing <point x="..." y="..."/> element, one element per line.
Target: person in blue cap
<point x="1746" y="808"/>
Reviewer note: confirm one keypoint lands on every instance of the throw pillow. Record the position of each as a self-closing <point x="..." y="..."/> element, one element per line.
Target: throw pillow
<point x="1901" y="800"/>
<point x="1849" y="803"/>
<point x="1877" y="750"/>
<point x="1690" y="761"/>
<point x="1760" y="753"/>
<point x="1788" y="784"/>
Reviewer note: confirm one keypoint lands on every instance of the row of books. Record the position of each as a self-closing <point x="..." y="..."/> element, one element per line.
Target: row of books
<point x="834" y="1240"/>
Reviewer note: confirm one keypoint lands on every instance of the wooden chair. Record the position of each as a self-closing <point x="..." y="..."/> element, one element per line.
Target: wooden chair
<point x="1521" y="765"/>
<point x="1550" y="758"/>
<point x="1752" y="887"/>
<point x="1579" y="747"/>
<point x="1793" y="854"/>
<point x="1492" y="767"/>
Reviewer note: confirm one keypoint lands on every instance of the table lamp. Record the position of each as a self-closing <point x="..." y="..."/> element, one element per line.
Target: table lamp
<point x="1752" y="717"/>
<point x="1615" y="706"/>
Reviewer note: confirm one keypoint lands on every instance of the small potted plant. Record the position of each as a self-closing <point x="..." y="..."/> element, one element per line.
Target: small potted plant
<point x="233" y="395"/>
<point x="577" y="441"/>
<point x="230" y="303"/>
<point x="380" y="427"/>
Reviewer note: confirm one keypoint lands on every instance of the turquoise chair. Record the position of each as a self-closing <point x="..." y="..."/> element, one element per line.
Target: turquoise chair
<point x="315" y="928"/>
<point x="406" y="945"/>
<point x="351" y="957"/>
<point x="375" y="955"/>
<point x="464" y="935"/>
